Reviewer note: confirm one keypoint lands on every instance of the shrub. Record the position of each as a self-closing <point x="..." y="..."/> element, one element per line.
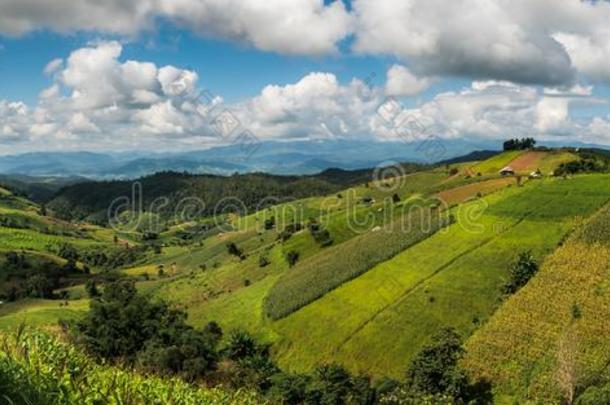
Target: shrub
<point x="434" y="370"/>
<point x="521" y="272"/>
<point x="263" y="261"/>
<point x="292" y="257"/>
<point x="240" y="345"/>
<point x="235" y="251"/>
<point x="269" y="223"/>
<point x="38" y="286"/>
<point x="91" y="289"/>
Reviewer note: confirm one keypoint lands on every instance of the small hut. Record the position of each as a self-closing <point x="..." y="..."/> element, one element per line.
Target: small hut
<point x="507" y="171"/>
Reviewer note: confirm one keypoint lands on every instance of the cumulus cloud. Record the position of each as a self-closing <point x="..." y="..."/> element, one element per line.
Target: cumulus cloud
<point x="496" y="110"/>
<point x="96" y="94"/>
<point x="315" y="106"/>
<point x="546" y="42"/>
<point x="589" y="54"/>
<point x="308" y="27"/>
<point x="99" y="101"/>
<point x="525" y="41"/>
<point x="401" y="82"/>
<point x="14" y="120"/>
<point x="18" y="17"/>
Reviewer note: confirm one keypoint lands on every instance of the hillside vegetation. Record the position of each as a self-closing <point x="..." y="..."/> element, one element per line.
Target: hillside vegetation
<point x="36" y="368"/>
<point x="451" y="278"/>
<point x="550" y="341"/>
<point x="337" y="282"/>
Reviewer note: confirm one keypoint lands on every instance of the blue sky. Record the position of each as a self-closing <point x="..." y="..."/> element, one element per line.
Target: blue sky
<point x="299" y="69"/>
<point x="233" y="70"/>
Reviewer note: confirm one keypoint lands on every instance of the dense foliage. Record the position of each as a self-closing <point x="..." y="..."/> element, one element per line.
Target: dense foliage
<point x="521" y="272"/>
<point x="125" y="324"/>
<point x="26" y="275"/>
<point x="246" y="191"/>
<point x="519" y="144"/>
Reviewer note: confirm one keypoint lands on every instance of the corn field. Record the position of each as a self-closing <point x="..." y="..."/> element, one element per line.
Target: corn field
<point x="334" y="266"/>
<point x="36" y="368"/>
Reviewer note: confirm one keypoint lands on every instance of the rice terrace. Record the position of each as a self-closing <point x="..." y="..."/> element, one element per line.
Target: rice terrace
<point x="305" y="202"/>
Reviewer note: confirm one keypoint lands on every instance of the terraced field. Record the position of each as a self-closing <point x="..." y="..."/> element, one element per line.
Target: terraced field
<point x="463" y="193"/>
<point x="452" y="278"/>
<point x="330" y="307"/>
<point x="495" y="164"/>
<point x="558" y="321"/>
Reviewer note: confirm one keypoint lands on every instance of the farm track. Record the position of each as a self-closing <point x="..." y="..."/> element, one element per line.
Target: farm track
<point x="411" y="289"/>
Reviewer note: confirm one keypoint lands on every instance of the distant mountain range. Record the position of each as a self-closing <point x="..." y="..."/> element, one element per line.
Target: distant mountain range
<point x="303" y="157"/>
<point x="282" y="158"/>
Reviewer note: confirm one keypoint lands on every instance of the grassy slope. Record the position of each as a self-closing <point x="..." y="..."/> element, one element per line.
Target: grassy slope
<point x="494" y="164"/>
<point x="462" y="270"/>
<point x="522" y="347"/>
<point x="220" y="293"/>
<point x="39" y="312"/>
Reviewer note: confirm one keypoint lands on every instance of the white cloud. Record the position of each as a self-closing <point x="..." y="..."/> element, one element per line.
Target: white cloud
<point x="95" y="93"/>
<point x="177" y="82"/>
<point x="552" y="114"/>
<point x="53" y="66"/>
<point x="287" y="26"/>
<point x="99" y="101"/>
<point x="590" y="54"/>
<point x="526" y="41"/>
<point x="546" y="42"/>
<point x="315" y="106"/>
<point x="401" y="82"/>
<point x="81" y="123"/>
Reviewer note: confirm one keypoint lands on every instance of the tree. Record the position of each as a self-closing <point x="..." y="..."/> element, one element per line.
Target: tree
<point x="292" y="257"/>
<point x="38" y="286"/>
<point x="331" y="384"/>
<point x="289" y="388"/>
<point x="521" y="272"/>
<point x="263" y="261"/>
<point x="435" y="368"/>
<point x="91" y="288"/>
<point x="68" y="252"/>
<point x="127" y="325"/>
<point x="213" y="331"/>
<point x="519" y="144"/>
<point x="235" y="251"/>
<point x="269" y="223"/>
<point x="240" y="345"/>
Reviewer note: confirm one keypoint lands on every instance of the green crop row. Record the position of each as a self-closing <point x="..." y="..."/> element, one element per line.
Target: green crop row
<point x="332" y="267"/>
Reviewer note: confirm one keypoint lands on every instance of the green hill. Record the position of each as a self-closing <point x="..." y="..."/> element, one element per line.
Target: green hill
<point x="344" y="267"/>
<point x="550" y="341"/>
